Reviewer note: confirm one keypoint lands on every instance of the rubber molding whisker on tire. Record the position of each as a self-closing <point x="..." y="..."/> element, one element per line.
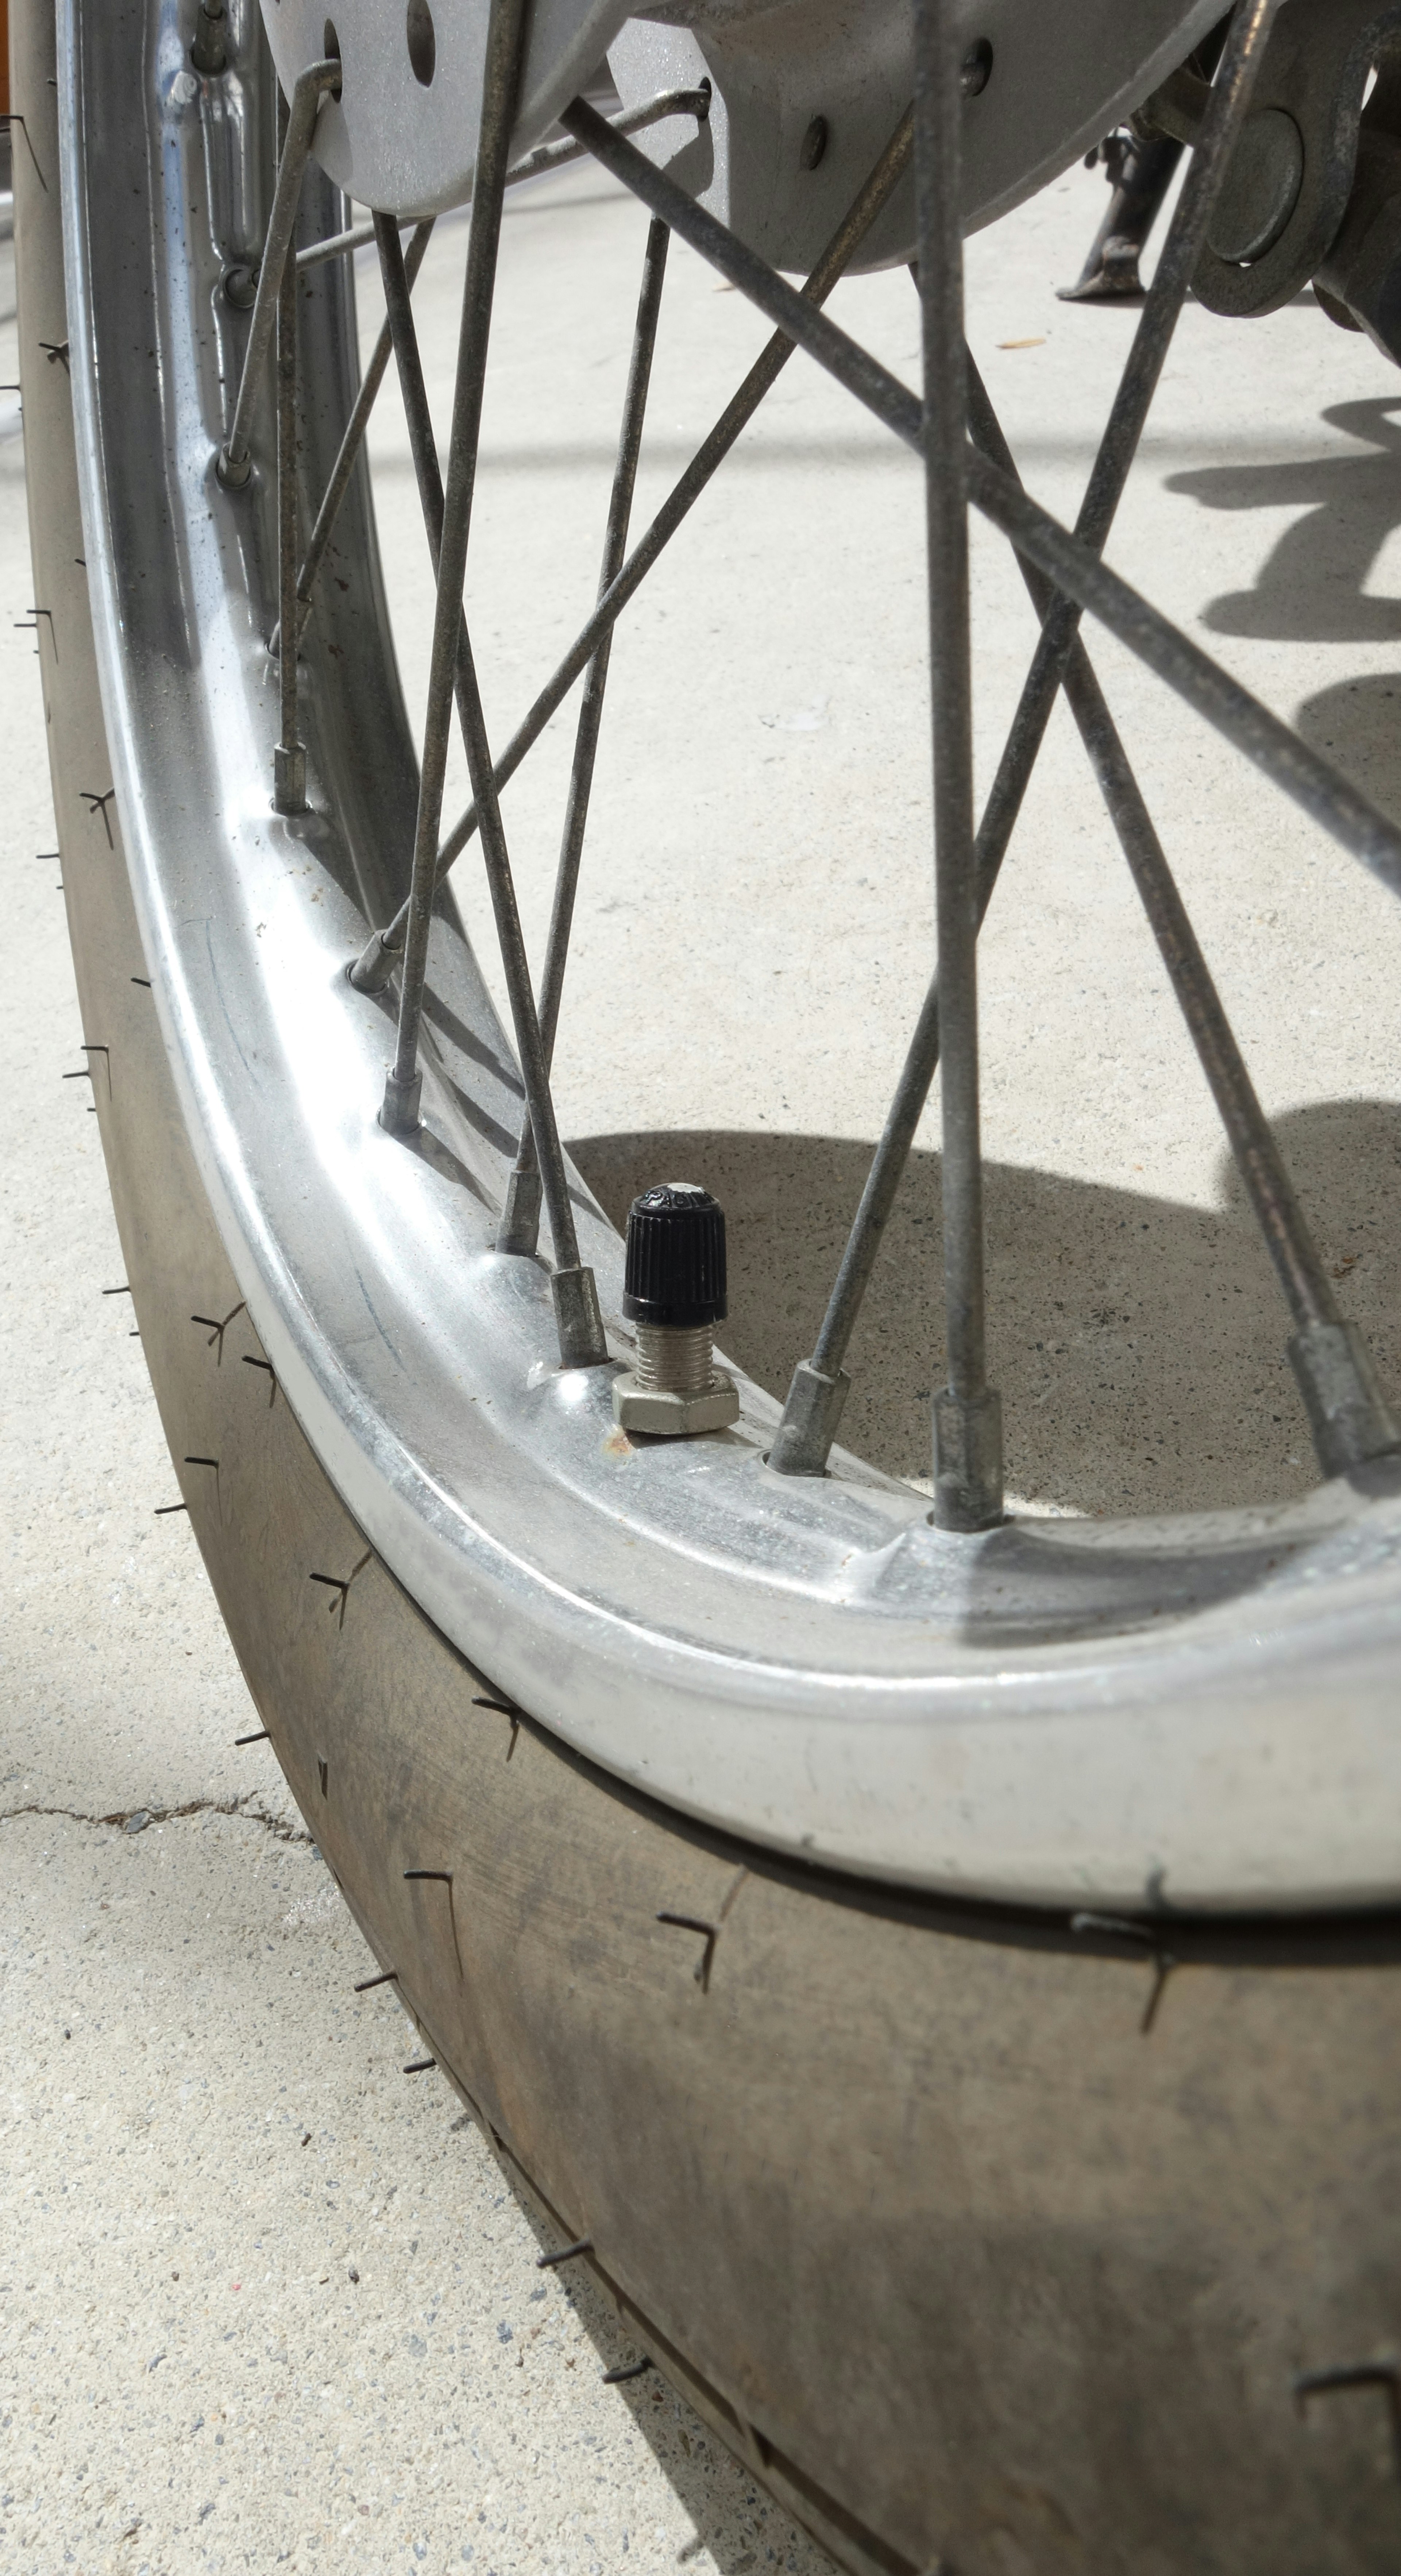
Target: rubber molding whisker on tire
<point x="444" y="1877"/>
<point x="1382" y="2373"/>
<point x="250" y="1362"/>
<point x="218" y="1330"/>
<point x="98" y="804"/>
<point x="564" y="2254"/>
<point x="1119" y="1928"/>
<point x="13" y="119"/>
<point x="341" y="1585"/>
<point x="505" y="1710"/>
<point x="30" y="626"/>
<point x="710" y="1933"/>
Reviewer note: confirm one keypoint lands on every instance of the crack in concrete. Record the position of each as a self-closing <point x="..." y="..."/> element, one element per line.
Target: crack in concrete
<point x="276" y="1825"/>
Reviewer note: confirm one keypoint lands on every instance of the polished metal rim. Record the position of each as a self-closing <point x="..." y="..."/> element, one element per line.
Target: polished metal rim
<point x="753" y="1626"/>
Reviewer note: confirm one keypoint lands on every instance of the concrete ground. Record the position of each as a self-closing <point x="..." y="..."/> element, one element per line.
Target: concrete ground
<point x="264" y="2300"/>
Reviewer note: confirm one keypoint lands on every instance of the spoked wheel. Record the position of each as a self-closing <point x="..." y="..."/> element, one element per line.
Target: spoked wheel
<point x="786" y="1873"/>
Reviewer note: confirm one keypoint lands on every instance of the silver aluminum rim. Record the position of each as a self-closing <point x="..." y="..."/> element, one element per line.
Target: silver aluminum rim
<point x="1196" y="1712"/>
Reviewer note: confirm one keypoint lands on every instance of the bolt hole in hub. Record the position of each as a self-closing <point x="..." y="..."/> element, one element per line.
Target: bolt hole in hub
<point x="976" y="69"/>
<point x="814" y="143"/>
<point x="422" y="41"/>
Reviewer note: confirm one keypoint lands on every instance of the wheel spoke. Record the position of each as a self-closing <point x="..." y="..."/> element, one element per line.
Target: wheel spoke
<point x="546" y="157"/>
<point x="819" y="1387"/>
<point x="1275" y="750"/>
<point x="289" y="758"/>
<point x="654" y="111"/>
<point x="1067" y="576"/>
<point x="452" y="673"/>
<point x="354" y="438"/>
<point x="318" y="81"/>
<point x="336" y="245"/>
<point x="1227" y="102"/>
<point x="1349" y="1417"/>
<point x="372" y="969"/>
<point x="520" y="1222"/>
<point x="1072" y="566"/>
<point x="967" y="1415"/>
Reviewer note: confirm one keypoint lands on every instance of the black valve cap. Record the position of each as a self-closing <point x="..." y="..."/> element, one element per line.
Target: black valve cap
<point x="675" y="1270"/>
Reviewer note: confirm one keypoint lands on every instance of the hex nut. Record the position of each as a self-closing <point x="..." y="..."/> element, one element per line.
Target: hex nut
<point x="647" y="1408"/>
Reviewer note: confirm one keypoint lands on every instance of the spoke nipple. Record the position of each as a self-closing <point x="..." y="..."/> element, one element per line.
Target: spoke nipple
<point x="813" y="145"/>
<point x="289" y="779"/>
<point x="399" y="1109"/>
<point x="975" y="70"/>
<point x="967" y="1460"/>
<point x="674" y="1292"/>
<point x="804" y="1437"/>
<point x="208" y="53"/>
<point x="371" y="970"/>
<point x="240" y="285"/>
<point x="233" y="471"/>
<point x="519" y="1230"/>
<point x="582" y="1342"/>
<point x="1349" y="1416"/>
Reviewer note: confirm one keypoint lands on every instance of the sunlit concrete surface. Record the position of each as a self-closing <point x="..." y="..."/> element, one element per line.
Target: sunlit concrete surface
<point x="267" y="2301"/>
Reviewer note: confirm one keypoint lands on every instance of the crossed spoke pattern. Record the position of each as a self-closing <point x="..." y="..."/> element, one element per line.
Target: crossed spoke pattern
<point x="966" y="463"/>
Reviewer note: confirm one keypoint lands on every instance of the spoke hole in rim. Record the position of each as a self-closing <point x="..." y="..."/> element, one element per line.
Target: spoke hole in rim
<point x="330" y="42"/>
<point x="422" y="41"/>
<point x="976" y="69"/>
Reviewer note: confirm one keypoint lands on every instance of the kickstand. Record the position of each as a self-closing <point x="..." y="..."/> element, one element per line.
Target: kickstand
<point x="1139" y="175"/>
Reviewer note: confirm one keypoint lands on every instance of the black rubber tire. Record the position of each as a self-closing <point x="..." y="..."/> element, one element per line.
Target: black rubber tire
<point x="974" y="2262"/>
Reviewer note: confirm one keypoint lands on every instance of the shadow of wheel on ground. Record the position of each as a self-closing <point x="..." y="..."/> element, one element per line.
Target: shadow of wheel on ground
<point x="1138" y="1343"/>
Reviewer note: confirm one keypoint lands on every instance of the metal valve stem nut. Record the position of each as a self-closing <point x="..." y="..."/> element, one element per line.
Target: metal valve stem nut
<point x="674" y="1292"/>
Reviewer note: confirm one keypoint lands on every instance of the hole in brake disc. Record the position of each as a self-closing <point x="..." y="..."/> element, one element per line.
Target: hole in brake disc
<point x="422" y="41"/>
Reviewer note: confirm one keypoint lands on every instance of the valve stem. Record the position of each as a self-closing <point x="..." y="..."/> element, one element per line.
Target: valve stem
<point x="674" y="1292"/>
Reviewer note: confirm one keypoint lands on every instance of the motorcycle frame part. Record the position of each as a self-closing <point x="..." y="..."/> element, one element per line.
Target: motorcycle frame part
<point x="1359" y="283"/>
<point x="1315" y="72"/>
